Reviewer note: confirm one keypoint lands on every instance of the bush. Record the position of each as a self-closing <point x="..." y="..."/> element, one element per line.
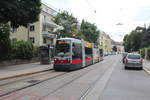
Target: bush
<point x="148" y="53"/>
<point x="36" y="52"/>
<point x="142" y="51"/>
<point x="4" y="41"/>
<point x="22" y="50"/>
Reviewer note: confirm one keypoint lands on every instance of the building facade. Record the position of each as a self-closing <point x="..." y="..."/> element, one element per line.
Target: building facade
<point x="41" y="32"/>
<point x="105" y="42"/>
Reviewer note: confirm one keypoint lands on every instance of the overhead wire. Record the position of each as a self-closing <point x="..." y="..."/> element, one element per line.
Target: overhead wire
<point x="91" y="6"/>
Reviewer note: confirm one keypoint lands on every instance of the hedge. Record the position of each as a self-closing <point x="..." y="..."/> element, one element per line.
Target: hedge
<point x="142" y="51"/>
<point x="23" y="50"/>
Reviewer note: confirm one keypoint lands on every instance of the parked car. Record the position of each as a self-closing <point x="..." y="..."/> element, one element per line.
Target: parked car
<point x="133" y="60"/>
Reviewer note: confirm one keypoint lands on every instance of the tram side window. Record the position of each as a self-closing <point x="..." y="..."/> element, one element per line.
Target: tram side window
<point x="76" y="51"/>
<point x="88" y="52"/>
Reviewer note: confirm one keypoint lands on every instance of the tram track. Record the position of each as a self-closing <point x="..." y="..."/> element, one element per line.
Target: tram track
<point x="29" y="82"/>
<point x="60" y="76"/>
<point x="88" y="70"/>
<point x="65" y="84"/>
<point x="89" y="89"/>
<point x="76" y="78"/>
<point x="22" y="78"/>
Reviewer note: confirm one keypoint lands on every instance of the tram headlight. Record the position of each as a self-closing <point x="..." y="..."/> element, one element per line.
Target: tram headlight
<point x="55" y="60"/>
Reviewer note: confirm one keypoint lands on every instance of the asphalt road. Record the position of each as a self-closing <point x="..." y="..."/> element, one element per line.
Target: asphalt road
<point x="106" y="80"/>
<point x="128" y="84"/>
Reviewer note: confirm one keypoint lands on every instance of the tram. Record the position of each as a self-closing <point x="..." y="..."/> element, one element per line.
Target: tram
<point x="73" y="53"/>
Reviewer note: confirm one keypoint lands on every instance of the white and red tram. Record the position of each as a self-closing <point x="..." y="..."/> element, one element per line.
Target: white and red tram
<point x="73" y="53"/>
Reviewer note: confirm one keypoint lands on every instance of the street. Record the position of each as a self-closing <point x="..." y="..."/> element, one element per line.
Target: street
<point x="106" y="80"/>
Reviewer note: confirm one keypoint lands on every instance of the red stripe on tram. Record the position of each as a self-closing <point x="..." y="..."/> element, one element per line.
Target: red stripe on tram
<point x="76" y="61"/>
<point x="88" y="59"/>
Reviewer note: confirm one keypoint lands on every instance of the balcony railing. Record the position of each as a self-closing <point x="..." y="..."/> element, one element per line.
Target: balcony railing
<point x="48" y="34"/>
<point x="50" y="23"/>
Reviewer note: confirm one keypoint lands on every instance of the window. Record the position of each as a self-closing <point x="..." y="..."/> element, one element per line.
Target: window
<point x="44" y="28"/>
<point x="14" y="29"/>
<point x="76" y="51"/>
<point x="32" y="28"/>
<point x="32" y="39"/>
<point x="44" y="40"/>
<point x="63" y="48"/>
<point x="134" y="56"/>
<point x="14" y="40"/>
<point x="44" y="17"/>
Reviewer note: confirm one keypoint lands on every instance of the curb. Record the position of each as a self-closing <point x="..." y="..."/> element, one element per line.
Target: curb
<point x="147" y="70"/>
<point x="25" y="74"/>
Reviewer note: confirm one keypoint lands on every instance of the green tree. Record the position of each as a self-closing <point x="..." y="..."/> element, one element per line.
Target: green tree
<point x="145" y="38"/>
<point x="5" y="45"/>
<point x="19" y="12"/>
<point x="127" y="43"/>
<point x="89" y="31"/>
<point x="133" y="41"/>
<point x="69" y="23"/>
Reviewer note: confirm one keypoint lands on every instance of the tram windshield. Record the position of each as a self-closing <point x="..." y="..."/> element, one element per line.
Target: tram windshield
<point x="62" y="48"/>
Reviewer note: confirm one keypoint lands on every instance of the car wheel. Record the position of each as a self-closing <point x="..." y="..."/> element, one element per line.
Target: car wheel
<point x="125" y="67"/>
<point x="141" y="68"/>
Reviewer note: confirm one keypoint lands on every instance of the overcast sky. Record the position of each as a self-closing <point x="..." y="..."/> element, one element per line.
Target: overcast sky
<point x="106" y="14"/>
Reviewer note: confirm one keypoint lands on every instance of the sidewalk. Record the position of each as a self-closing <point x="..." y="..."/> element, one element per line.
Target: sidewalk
<point x="23" y="69"/>
<point x="146" y="66"/>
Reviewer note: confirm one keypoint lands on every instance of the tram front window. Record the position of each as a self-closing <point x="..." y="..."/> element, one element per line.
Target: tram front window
<point x="63" y="48"/>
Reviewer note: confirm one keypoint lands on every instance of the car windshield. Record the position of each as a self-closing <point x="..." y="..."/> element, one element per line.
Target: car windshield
<point x="62" y="48"/>
<point x="134" y="56"/>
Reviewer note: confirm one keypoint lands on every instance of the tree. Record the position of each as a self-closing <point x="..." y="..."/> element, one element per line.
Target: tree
<point x="132" y="42"/>
<point x="5" y="45"/>
<point x="89" y="31"/>
<point x="19" y="12"/>
<point x="69" y="23"/>
<point x="135" y="40"/>
<point x="127" y="43"/>
<point x="145" y="38"/>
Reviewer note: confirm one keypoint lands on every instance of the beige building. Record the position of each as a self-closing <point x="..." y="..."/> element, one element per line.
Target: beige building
<point x="105" y="42"/>
<point x="120" y="47"/>
<point x="41" y="32"/>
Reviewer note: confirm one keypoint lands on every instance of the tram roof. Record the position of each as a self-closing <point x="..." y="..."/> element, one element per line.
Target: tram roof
<point x="72" y="39"/>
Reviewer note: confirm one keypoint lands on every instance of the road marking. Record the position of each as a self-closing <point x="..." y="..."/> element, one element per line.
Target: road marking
<point x="146" y="70"/>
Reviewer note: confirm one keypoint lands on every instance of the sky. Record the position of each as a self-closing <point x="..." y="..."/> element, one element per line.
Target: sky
<point x="115" y="17"/>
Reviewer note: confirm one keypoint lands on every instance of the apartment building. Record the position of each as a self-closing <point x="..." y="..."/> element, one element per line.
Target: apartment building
<point x="41" y="32"/>
<point x="105" y="42"/>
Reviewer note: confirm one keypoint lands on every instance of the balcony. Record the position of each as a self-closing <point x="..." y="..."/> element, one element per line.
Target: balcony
<point x="48" y="34"/>
<point x="50" y="24"/>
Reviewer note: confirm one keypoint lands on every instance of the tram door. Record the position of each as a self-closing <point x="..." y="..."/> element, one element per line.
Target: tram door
<point x="77" y="54"/>
<point x="88" y="53"/>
